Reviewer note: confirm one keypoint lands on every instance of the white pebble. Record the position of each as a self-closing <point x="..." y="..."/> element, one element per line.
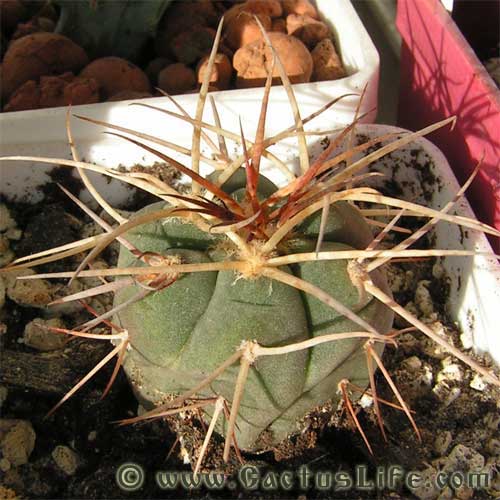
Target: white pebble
<point x="423" y="299"/>
<point x="451" y="371"/>
<point x="478" y="383"/>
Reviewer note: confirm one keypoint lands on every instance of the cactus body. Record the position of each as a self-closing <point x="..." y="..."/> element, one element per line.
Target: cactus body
<point x="180" y="334"/>
<point x="111" y="28"/>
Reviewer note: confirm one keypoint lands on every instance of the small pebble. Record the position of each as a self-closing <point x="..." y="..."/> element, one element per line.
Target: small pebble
<point x="464" y="492"/>
<point x="463" y="458"/>
<point x="442" y="442"/>
<point x="30" y="293"/>
<point x="423" y="299"/>
<point x="492" y="421"/>
<point x="446" y="494"/>
<point x="451" y="371"/>
<point x="4" y="465"/>
<point x="66" y="459"/>
<point x="13" y="233"/>
<point x="366" y="401"/>
<point x="446" y="394"/>
<point x="478" y="383"/>
<point x="467" y="340"/>
<point x="412" y="363"/>
<point x="37" y="335"/>
<point x="438" y="271"/>
<point x="18" y="441"/>
<point x="493" y="446"/>
<point x="431" y="348"/>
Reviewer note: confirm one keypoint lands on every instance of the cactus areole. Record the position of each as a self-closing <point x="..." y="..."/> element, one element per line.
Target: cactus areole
<point x="181" y="333"/>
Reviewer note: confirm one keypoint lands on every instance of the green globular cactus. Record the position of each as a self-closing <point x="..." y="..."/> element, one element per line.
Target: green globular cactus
<point x="119" y="28"/>
<point x="181" y="333"/>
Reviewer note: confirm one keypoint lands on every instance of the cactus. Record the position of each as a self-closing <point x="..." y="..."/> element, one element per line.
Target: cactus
<point x="245" y="300"/>
<point x="182" y="333"/>
<point x="111" y="28"/>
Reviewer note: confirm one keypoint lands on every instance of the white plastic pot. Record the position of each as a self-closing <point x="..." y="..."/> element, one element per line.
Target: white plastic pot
<point x="358" y="53"/>
<point x="474" y="295"/>
<point x="474" y="291"/>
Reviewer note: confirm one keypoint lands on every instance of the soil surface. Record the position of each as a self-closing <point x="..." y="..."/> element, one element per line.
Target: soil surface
<point x="76" y="451"/>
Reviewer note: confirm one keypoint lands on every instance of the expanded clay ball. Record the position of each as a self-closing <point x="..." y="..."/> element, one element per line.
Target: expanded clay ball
<point x="279" y="25"/>
<point x="53" y="91"/>
<point x="154" y="67"/>
<point x="327" y="63"/>
<point x="300" y="7"/>
<point x="253" y="61"/>
<point x="309" y="30"/>
<point x="189" y="46"/>
<point x="271" y="8"/>
<point x="115" y="74"/>
<point x="221" y="72"/>
<point x="243" y="29"/>
<point x="176" y="79"/>
<point x="39" y="54"/>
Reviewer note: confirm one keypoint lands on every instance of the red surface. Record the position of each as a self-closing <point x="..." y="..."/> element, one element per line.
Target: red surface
<point x="441" y="76"/>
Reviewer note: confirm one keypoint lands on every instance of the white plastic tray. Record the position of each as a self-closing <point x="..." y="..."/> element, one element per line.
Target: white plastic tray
<point x="474" y="296"/>
<point x="41" y="128"/>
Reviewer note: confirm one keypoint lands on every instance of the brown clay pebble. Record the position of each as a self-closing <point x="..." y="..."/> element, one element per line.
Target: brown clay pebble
<point x="326" y="62"/>
<point x="254" y="60"/>
<point x="115" y="74"/>
<point x="53" y="91"/>
<point x="27" y="96"/>
<point x="221" y="72"/>
<point x="176" y="79"/>
<point x="300" y="7"/>
<point x="154" y="67"/>
<point x="243" y="29"/>
<point x="190" y="45"/>
<point x="81" y="91"/>
<point x="232" y="13"/>
<point x="37" y="55"/>
<point x="271" y="8"/>
<point x="307" y="29"/>
<point x="279" y="25"/>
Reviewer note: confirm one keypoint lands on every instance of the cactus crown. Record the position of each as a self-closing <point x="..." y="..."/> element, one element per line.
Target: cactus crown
<point x="246" y="300"/>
